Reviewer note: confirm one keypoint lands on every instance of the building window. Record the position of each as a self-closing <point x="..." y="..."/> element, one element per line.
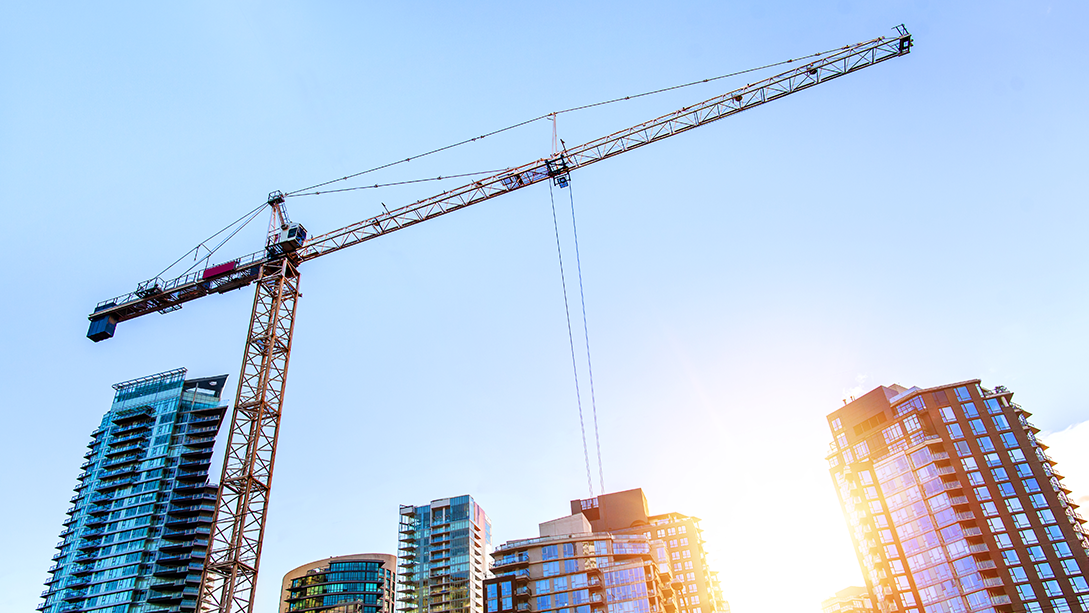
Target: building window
<point x="954" y="430"/>
<point x="837" y="424"/>
<point x="568" y="550"/>
<point x="841" y="440"/>
<point x="1021" y="520"/>
<point x="1023" y="470"/>
<point x="862" y="450"/>
<point x="975" y="478"/>
<point x="1006" y="489"/>
<point x="684" y="542"/>
<point x="682" y="529"/>
<point x="688" y="565"/>
<point x="982" y="493"/>
<point x="1070" y="566"/>
<point x="962" y="449"/>
<point x="551" y="569"/>
<point x="550" y="552"/>
<point x="962" y="394"/>
<point x="1017" y="455"/>
<point x="999" y="474"/>
<point x="947" y="414"/>
<point x="996" y="525"/>
<point x="1010" y="557"/>
<point x="1054" y="533"/>
<point x="1036" y="554"/>
<point x="1062" y="550"/>
<point x="992" y="406"/>
<point x="892" y="433"/>
<point x="1031" y="485"/>
<point x="1029" y="537"/>
<point x="989" y="509"/>
<point x="1052" y="588"/>
<point x="1025" y="592"/>
<point x="671" y="531"/>
<point x="977" y="427"/>
<point x="1044" y="570"/>
<point x="1000" y="422"/>
<point x="985" y="444"/>
<point x="969" y="409"/>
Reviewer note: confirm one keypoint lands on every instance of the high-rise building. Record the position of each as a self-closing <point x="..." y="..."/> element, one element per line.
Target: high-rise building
<point x="854" y="599"/>
<point x="443" y="555"/>
<point x="361" y="583"/>
<point x="682" y="545"/>
<point x="954" y="505"/>
<point x="137" y="533"/>
<point x="571" y="569"/>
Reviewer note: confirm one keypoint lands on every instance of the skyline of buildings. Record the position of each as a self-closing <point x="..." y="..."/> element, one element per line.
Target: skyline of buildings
<point x="358" y="583"/>
<point x="953" y="505"/>
<point x="443" y="556"/>
<point x="137" y="532"/>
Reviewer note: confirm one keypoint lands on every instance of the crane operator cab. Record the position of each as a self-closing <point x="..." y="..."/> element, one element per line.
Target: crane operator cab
<point x="287" y="239"/>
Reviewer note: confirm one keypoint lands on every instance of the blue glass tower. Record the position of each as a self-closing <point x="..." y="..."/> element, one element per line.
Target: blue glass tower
<point x="137" y="533"/>
<point x="443" y="556"/>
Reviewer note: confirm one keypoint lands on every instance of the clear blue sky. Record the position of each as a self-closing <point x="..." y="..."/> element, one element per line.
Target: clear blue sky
<point x="920" y="222"/>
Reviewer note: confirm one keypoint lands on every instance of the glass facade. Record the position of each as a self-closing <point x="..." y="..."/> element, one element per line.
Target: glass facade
<point x="587" y="573"/>
<point x="443" y="555"/>
<point x="954" y="505"/>
<point x="348" y="584"/>
<point x="137" y="532"/>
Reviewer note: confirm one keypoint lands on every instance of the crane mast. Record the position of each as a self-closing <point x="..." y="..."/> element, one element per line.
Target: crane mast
<point x="234" y="551"/>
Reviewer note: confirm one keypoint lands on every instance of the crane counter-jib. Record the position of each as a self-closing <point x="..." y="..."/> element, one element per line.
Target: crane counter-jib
<point x="159" y="296"/>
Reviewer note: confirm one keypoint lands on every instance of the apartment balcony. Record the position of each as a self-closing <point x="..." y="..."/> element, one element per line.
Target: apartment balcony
<point x="163" y="597"/>
<point x="522" y="606"/>
<point x="973" y="531"/>
<point x="522" y="591"/>
<point x="199" y="441"/>
<point x="1000" y="599"/>
<point x="81" y="569"/>
<point x="74" y="595"/>
<point x="128" y="416"/>
<point x="194" y="462"/>
<point x="140" y="426"/>
<point x="978" y="548"/>
<point x="135" y="447"/>
<point x="512" y="561"/>
<point x="103" y="487"/>
<point x="992" y="582"/>
<point x="951" y="485"/>
<point x="958" y="500"/>
<point x="966" y="516"/>
<point x="127" y="439"/>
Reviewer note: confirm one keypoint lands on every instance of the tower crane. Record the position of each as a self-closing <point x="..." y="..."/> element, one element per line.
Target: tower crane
<point x="234" y="551"/>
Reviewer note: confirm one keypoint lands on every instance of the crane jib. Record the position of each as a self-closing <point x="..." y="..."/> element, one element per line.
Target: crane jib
<point x="165" y="296"/>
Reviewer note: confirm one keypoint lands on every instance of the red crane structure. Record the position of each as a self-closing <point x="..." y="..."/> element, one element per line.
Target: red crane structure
<point x="234" y="551"/>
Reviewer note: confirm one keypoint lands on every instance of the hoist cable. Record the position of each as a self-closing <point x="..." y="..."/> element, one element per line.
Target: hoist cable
<point x="586" y="335"/>
<point x="571" y="340"/>
<point x="298" y="192"/>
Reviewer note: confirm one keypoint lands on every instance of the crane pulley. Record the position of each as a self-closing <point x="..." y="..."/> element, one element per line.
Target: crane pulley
<point x="234" y="552"/>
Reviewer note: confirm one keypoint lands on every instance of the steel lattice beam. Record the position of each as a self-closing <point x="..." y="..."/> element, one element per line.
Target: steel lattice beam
<point x="234" y="551"/>
<point x="845" y="61"/>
